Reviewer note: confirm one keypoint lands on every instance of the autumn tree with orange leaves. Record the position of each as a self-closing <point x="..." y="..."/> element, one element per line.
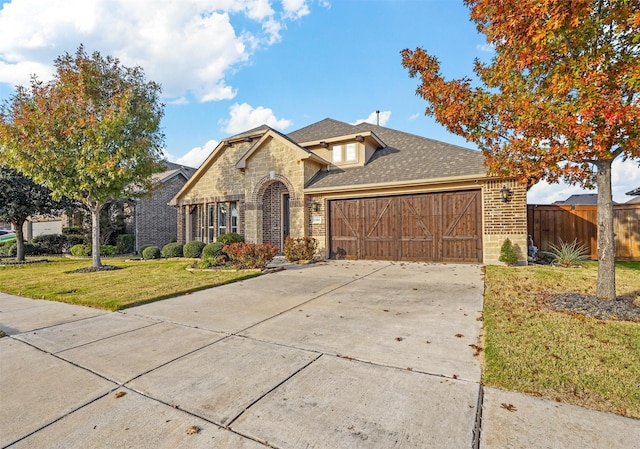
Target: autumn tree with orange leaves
<point x="559" y="100"/>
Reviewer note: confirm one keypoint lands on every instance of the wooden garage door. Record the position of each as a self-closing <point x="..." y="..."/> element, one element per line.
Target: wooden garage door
<point x="440" y="227"/>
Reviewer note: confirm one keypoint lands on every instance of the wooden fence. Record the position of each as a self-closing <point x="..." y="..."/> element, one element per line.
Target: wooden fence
<point x="549" y="224"/>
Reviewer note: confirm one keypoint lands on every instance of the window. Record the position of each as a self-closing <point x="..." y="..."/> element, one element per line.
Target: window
<point x="211" y="215"/>
<point x="233" y="225"/>
<point x="347" y="152"/>
<point x="222" y="218"/>
<point x="337" y="153"/>
<point x="350" y="150"/>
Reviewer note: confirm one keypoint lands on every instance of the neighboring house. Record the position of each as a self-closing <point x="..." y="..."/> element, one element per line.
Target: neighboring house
<point x="582" y="199"/>
<point x="152" y="220"/>
<point x="636" y="193"/>
<point x="363" y="191"/>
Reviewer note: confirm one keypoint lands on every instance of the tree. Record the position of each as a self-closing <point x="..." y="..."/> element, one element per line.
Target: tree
<point x="22" y="198"/>
<point x="559" y="99"/>
<point x="91" y="134"/>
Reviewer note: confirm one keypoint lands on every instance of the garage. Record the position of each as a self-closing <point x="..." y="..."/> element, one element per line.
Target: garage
<point x="430" y="227"/>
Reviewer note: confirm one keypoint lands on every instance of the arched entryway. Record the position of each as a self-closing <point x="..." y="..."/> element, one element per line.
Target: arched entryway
<point x="276" y="214"/>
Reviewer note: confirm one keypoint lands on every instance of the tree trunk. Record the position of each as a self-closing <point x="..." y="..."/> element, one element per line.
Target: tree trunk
<point x="19" y="240"/>
<point x="606" y="283"/>
<point x="95" y="234"/>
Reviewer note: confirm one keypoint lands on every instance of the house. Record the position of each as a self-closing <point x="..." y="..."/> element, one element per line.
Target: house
<point x="363" y="191"/>
<point x="150" y="218"/>
<point x="635" y="193"/>
<point x="154" y="222"/>
<point x="582" y="199"/>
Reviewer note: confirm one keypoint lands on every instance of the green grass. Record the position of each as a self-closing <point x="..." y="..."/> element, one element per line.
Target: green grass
<point x="560" y="356"/>
<point x="137" y="282"/>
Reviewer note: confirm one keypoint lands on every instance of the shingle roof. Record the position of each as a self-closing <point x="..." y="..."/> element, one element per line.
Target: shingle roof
<point x="635" y="191"/>
<point x="172" y="170"/>
<point x="406" y="157"/>
<point x="581" y="199"/>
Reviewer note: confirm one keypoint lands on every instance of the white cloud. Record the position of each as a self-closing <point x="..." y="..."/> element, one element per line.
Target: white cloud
<point x="414" y="116"/>
<point x="625" y="176"/>
<point x="188" y="47"/>
<point x="373" y="118"/>
<point x="243" y="117"/>
<point x="195" y="157"/>
<point x="295" y="8"/>
<point x="486" y="48"/>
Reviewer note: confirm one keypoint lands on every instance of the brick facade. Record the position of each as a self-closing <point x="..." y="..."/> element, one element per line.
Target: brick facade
<point x="504" y="220"/>
<point x="155" y="222"/>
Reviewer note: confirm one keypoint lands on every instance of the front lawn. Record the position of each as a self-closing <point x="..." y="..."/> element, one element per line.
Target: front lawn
<point x="567" y="357"/>
<point x="137" y="282"/>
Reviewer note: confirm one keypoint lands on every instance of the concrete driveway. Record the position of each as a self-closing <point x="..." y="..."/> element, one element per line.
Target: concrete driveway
<point x="331" y="355"/>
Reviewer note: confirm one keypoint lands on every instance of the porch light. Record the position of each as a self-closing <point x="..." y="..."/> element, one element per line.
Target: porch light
<point x="504" y="193"/>
<point x="315" y="206"/>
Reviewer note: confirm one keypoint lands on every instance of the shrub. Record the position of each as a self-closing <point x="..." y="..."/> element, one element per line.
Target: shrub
<point x="212" y="262"/>
<point x="74" y="239"/>
<point x="125" y="243"/>
<point x="172" y="249"/>
<point x="193" y="249"/>
<point x="508" y="253"/>
<point x="151" y="252"/>
<point x="6" y="248"/>
<point x="250" y="255"/>
<point x="10" y="249"/>
<point x="229" y="238"/>
<point x="73" y="230"/>
<point x="142" y="248"/>
<point x="81" y="250"/>
<point x="108" y="250"/>
<point x="568" y="254"/>
<point x="303" y="248"/>
<point x="51" y="243"/>
<point x="212" y="250"/>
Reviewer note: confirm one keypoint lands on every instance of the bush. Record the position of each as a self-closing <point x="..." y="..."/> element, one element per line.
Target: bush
<point x="568" y="254"/>
<point x="142" y="248"/>
<point x="74" y="230"/>
<point x="151" y="252"/>
<point x="508" y="253"/>
<point x="300" y="248"/>
<point x="81" y="250"/>
<point x="108" y="250"/>
<point x="74" y="239"/>
<point x="212" y="262"/>
<point x="250" y="255"/>
<point x="231" y="237"/>
<point x="212" y="250"/>
<point x="51" y="243"/>
<point x="125" y="243"/>
<point x="193" y="249"/>
<point x="172" y="249"/>
<point x="10" y="249"/>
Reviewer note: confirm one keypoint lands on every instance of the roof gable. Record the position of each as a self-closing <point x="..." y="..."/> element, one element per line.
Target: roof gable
<point x="302" y="153"/>
<point x="404" y="158"/>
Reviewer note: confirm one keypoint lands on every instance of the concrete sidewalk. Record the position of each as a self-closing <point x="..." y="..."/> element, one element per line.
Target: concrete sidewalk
<point x="330" y="355"/>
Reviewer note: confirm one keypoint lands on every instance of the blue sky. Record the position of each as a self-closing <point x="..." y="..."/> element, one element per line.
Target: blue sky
<point x="230" y="65"/>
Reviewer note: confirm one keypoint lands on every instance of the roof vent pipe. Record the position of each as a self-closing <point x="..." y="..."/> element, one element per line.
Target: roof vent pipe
<point x="378" y="118"/>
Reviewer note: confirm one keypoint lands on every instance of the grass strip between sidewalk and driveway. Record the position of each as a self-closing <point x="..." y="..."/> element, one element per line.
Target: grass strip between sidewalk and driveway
<point x="567" y="357"/>
<point x="136" y="282"/>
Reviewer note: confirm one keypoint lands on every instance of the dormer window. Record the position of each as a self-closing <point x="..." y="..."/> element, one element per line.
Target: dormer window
<point x="346" y="152"/>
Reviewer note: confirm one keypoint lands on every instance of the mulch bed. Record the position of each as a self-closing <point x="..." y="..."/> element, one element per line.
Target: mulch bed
<point x="92" y="269"/>
<point x="621" y="309"/>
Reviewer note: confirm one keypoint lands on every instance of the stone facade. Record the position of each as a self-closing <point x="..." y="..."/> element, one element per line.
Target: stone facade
<point x="277" y="168"/>
<point x="261" y="171"/>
